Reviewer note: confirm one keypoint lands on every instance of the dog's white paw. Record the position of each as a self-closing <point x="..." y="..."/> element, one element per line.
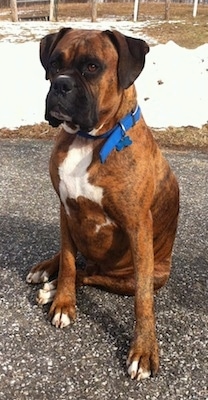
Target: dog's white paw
<point x="136" y="372"/>
<point x="60" y="320"/>
<point x="37" y="277"/>
<point x="47" y="293"/>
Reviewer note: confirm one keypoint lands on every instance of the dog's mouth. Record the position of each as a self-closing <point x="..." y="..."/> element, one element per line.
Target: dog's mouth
<point x="56" y="113"/>
<point x="57" y="117"/>
<point x="61" y="116"/>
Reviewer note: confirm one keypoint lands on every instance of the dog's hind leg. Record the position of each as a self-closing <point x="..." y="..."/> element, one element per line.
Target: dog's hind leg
<point x="44" y="270"/>
<point x="124" y="285"/>
<point x="114" y="284"/>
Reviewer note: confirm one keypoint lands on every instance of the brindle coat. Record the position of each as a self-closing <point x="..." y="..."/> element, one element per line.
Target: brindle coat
<point x="127" y="236"/>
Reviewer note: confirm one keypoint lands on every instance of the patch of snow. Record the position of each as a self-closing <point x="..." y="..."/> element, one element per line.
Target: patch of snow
<point x="173" y="87"/>
<point x="35" y="30"/>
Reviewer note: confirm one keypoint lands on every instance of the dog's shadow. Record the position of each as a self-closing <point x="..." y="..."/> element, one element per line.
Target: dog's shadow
<point x="115" y="325"/>
<point x="115" y="322"/>
<point x="25" y="242"/>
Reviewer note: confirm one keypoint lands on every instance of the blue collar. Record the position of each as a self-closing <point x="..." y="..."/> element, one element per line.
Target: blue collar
<point x="116" y="136"/>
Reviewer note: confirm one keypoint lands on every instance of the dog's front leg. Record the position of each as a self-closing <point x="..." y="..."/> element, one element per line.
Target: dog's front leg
<point x="143" y="360"/>
<point x="63" y="307"/>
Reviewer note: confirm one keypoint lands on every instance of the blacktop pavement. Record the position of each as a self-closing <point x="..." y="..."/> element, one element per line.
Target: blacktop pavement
<point x="87" y="359"/>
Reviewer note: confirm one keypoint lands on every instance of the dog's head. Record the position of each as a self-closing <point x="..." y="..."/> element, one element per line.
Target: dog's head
<point x="88" y="71"/>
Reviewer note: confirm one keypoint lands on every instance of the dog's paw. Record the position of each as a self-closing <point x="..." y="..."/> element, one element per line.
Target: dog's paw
<point x="43" y="271"/>
<point x="37" y="276"/>
<point x="61" y="320"/>
<point x="47" y="293"/>
<point x="143" y="361"/>
<point x="62" y="311"/>
<point x="137" y="372"/>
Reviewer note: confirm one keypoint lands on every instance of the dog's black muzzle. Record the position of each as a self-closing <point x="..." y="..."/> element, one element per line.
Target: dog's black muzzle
<point x="70" y="99"/>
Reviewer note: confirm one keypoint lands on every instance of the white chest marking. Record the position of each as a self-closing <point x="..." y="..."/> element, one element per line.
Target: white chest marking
<point x="74" y="177"/>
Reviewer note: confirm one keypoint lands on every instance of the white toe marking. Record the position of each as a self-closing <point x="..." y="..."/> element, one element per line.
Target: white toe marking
<point x="56" y="319"/>
<point x="60" y="320"/>
<point x="44" y="277"/>
<point x="29" y="277"/>
<point x="143" y="374"/>
<point x="37" y="277"/>
<point x="65" y="321"/>
<point x="132" y="370"/>
<point x="50" y="285"/>
<point x="47" y="293"/>
<point x="44" y="297"/>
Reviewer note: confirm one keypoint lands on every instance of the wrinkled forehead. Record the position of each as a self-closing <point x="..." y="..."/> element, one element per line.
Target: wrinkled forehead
<point x="94" y="43"/>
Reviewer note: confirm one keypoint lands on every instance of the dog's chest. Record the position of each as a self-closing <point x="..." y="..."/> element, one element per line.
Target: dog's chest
<point x="74" y="175"/>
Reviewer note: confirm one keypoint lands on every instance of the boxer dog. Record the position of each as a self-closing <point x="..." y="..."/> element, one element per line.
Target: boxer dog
<point x="119" y="198"/>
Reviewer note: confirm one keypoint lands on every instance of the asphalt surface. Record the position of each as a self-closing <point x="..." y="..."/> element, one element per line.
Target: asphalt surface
<point x="87" y="359"/>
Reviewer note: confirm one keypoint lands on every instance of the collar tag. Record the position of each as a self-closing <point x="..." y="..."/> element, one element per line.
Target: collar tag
<point x="124" y="142"/>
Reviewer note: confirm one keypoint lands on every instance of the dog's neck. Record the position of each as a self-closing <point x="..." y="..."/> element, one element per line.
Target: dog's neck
<point x="124" y="105"/>
<point x="116" y="138"/>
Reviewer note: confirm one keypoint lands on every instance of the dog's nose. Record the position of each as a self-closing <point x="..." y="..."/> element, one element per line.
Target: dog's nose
<point x="63" y="84"/>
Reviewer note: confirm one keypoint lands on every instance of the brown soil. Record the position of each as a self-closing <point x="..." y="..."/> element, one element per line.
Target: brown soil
<point x="175" y="138"/>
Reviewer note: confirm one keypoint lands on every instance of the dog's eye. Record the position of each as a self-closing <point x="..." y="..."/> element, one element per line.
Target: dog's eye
<point x="54" y="67"/>
<point x="89" y="68"/>
<point x="92" y="67"/>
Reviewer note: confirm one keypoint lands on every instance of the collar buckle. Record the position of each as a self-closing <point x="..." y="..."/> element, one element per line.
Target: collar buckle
<point x="122" y="128"/>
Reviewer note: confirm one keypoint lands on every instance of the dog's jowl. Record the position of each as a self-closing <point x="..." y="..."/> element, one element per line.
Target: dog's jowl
<point x="119" y="198"/>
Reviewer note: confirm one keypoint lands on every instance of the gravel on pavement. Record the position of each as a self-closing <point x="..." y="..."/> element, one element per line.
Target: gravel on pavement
<point x="87" y="359"/>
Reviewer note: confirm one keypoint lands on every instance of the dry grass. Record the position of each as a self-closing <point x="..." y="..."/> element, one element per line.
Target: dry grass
<point x="183" y="29"/>
<point x="183" y="138"/>
<point x="177" y="138"/>
<point x="186" y="31"/>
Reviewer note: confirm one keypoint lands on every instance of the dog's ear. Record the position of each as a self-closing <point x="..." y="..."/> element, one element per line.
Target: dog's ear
<point x="131" y="53"/>
<point x="48" y="44"/>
